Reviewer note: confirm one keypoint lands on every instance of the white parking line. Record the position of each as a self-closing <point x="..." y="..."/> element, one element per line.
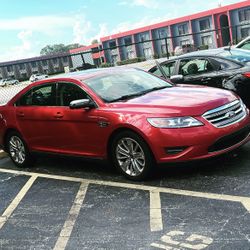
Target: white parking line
<point x="155" y="211"/>
<point x="245" y="201"/>
<point x="70" y="222"/>
<point x="10" y="209"/>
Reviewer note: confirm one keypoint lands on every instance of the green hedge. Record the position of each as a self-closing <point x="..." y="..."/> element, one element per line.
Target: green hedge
<point x="133" y="60"/>
<point x="203" y="47"/>
<point x="106" y="65"/>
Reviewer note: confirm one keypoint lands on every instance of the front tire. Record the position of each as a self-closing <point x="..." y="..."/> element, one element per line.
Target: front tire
<point x="131" y="155"/>
<point x="18" y="150"/>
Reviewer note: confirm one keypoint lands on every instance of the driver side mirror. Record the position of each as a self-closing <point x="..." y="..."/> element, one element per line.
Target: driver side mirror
<point x="176" y="78"/>
<point x="82" y="103"/>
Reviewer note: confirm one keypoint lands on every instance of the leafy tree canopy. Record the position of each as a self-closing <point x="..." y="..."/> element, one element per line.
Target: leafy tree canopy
<point x="58" y="48"/>
<point x="94" y="41"/>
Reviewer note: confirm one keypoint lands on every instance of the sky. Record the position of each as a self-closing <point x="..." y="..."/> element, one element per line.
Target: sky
<point x="26" y="26"/>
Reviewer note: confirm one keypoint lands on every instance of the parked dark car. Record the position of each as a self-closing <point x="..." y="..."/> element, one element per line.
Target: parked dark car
<point x="244" y="44"/>
<point x="207" y="70"/>
<point x="237" y="54"/>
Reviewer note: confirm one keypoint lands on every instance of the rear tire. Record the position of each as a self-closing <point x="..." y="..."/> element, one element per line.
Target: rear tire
<point x="18" y="150"/>
<point x="132" y="156"/>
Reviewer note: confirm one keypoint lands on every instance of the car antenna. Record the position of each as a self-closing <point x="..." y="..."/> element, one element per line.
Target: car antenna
<point x="230" y="46"/>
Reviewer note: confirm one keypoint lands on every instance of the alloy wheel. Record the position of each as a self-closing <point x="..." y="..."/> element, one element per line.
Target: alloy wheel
<point x="17" y="150"/>
<point x="130" y="156"/>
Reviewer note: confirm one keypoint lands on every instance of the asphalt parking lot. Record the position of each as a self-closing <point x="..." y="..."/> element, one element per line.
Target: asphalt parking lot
<point x="65" y="203"/>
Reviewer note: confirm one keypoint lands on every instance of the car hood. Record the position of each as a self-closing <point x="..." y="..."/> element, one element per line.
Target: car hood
<point x="178" y="100"/>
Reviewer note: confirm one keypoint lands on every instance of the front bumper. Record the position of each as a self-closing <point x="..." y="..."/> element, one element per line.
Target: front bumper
<point x="187" y="144"/>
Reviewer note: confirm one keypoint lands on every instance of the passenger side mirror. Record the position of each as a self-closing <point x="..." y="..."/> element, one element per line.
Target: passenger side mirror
<point x="177" y="78"/>
<point x="82" y="103"/>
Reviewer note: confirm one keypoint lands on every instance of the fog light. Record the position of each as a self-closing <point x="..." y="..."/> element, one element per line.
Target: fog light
<point x="175" y="150"/>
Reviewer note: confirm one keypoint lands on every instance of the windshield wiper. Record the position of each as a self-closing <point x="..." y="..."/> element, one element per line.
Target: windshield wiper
<point x="154" y="89"/>
<point x="126" y="97"/>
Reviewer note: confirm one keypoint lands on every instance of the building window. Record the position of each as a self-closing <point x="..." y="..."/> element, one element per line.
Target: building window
<point x="65" y="59"/>
<point x="184" y="42"/>
<point x="204" y="24"/>
<point x="114" y="58"/>
<point x="112" y="44"/>
<point x="95" y="50"/>
<point x="33" y="64"/>
<point x="144" y="37"/>
<point x="206" y="40"/>
<point x="162" y="33"/>
<point x="21" y="66"/>
<point x="147" y="52"/>
<point x="244" y="15"/>
<point x="130" y="54"/>
<point x="45" y="63"/>
<point x="24" y="75"/>
<point x="163" y="49"/>
<point x="183" y="29"/>
<point x="245" y="32"/>
<point x="10" y="68"/>
<point x="128" y="41"/>
<point x="54" y="60"/>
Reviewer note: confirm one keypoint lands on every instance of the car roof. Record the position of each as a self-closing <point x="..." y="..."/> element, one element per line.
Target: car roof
<point x="90" y="73"/>
<point x="216" y="52"/>
<point x="211" y="52"/>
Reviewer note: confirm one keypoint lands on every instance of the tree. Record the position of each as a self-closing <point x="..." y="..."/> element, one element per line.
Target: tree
<point x="94" y="41"/>
<point x="58" y="48"/>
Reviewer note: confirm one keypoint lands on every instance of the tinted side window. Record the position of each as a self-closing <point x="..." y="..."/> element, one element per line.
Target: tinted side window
<point x="224" y="64"/>
<point x="39" y="96"/>
<point x="156" y="71"/>
<point x="169" y="68"/>
<point x="195" y="66"/>
<point x="68" y="92"/>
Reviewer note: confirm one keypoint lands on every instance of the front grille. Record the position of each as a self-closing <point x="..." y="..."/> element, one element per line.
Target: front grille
<point x="229" y="140"/>
<point x="226" y="115"/>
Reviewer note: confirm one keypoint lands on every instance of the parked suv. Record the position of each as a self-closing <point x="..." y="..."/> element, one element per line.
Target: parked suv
<point x="8" y="81"/>
<point x="36" y="77"/>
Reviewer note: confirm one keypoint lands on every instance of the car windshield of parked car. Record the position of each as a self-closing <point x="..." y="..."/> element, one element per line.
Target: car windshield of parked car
<point x="122" y="85"/>
<point x="245" y="45"/>
<point x="241" y="56"/>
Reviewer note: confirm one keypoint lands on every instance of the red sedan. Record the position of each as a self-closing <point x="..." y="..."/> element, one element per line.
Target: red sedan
<point x="129" y="116"/>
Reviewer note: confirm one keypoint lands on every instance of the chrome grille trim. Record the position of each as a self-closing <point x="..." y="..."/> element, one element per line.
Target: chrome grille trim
<point x="220" y="117"/>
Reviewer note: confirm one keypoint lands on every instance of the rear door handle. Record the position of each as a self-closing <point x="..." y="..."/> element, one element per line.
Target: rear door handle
<point x="58" y="115"/>
<point x="21" y="114"/>
<point x="206" y="79"/>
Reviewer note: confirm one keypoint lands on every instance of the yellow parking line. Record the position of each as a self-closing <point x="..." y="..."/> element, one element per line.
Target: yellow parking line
<point x="245" y="201"/>
<point x="10" y="209"/>
<point x="70" y="222"/>
<point x="155" y="211"/>
<point x="224" y="197"/>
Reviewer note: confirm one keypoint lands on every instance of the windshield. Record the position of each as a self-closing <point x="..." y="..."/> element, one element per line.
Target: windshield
<point x="242" y="56"/>
<point x="121" y="85"/>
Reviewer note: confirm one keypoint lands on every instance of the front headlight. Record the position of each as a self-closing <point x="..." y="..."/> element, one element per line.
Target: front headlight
<point x="175" y="122"/>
